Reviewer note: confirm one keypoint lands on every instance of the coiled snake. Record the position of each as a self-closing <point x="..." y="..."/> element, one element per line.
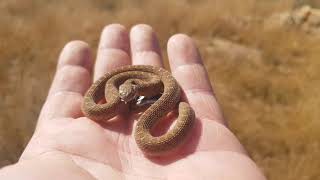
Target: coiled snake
<point x="122" y="86"/>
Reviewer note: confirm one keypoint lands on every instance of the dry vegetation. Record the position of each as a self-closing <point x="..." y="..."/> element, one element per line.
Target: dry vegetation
<point x="271" y="103"/>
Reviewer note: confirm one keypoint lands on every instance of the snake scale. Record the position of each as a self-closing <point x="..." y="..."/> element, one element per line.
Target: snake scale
<point x="122" y="86"/>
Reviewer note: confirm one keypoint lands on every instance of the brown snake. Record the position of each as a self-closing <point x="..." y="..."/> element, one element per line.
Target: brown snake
<point x="122" y="86"/>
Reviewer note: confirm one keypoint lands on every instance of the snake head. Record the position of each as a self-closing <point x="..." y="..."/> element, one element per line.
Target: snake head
<point x="128" y="92"/>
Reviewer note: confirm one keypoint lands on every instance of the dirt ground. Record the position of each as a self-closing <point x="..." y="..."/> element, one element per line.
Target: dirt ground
<point x="270" y="97"/>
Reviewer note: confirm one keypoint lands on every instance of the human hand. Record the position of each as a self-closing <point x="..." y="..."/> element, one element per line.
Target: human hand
<point x="67" y="145"/>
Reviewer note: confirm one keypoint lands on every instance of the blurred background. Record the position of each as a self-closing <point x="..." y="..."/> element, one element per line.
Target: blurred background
<point x="262" y="57"/>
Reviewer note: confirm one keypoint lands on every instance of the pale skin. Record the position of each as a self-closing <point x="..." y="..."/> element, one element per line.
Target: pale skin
<point x="67" y="145"/>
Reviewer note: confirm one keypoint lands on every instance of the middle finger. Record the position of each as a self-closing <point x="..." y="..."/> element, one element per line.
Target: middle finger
<point x="145" y="47"/>
<point x="113" y="50"/>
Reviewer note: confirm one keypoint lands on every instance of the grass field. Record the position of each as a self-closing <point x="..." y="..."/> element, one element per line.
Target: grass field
<point x="271" y="102"/>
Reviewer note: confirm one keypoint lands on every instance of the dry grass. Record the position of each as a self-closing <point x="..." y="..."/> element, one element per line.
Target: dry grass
<point x="271" y="103"/>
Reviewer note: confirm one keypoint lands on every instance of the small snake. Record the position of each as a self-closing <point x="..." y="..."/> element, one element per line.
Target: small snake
<point x="121" y="87"/>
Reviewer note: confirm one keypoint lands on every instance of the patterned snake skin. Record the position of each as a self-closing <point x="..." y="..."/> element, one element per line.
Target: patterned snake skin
<point x="121" y="87"/>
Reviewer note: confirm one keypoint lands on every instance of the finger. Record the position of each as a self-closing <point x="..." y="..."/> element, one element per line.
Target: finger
<point x="145" y="47"/>
<point x="187" y="67"/>
<point x="113" y="50"/>
<point x="71" y="81"/>
<point x="74" y="68"/>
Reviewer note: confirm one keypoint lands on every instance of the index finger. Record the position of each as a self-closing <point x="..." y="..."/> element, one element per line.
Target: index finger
<point x="72" y="79"/>
<point x="187" y="67"/>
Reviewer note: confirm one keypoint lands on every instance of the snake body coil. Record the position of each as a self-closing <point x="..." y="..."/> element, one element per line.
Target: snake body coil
<point x="146" y="81"/>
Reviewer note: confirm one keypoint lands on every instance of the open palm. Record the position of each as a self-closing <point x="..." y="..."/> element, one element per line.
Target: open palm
<point x="67" y="145"/>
